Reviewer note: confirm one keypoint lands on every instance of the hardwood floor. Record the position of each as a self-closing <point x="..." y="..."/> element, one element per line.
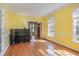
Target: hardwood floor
<point x="39" y="48"/>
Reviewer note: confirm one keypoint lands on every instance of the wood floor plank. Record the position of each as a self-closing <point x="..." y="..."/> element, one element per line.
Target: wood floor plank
<point x="39" y="48"/>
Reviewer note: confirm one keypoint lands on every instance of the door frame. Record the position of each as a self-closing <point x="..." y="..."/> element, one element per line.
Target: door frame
<point x="38" y="23"/>
<point x="2" y="32"/>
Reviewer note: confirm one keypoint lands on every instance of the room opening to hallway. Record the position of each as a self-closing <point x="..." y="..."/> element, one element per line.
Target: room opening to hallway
<point x="35" y="30"/>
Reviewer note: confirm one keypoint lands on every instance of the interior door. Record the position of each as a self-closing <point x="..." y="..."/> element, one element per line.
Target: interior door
<point x="1" y="33"/>
<point x="38" y="30"/>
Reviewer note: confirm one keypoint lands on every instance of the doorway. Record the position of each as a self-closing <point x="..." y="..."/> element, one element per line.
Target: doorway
<point x="2" y="46"/>
<point x="39" y="30"/>
<point x="35" y="30"/>
<point x="32" y="28"/>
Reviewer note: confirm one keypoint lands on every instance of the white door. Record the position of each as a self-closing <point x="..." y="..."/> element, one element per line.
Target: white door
<point x="0" y="35"/>
<point x="1" y="32"/>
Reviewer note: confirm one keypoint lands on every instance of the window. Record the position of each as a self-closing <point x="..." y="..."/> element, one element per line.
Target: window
<point x="76" y="25"/>
<point x="51" y="26"/>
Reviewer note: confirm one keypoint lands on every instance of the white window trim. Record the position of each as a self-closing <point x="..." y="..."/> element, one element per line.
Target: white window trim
<point x="52" y="24"/>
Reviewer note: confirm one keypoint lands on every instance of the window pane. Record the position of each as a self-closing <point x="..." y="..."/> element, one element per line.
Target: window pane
<point x="51" y="26"/>
<point x="75" y="17"/>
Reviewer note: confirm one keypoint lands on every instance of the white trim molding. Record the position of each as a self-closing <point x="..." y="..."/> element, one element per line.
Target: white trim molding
<point x="5" y="50"/>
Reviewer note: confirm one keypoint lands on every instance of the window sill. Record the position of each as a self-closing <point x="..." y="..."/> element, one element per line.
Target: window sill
<point x="75" y="41"/>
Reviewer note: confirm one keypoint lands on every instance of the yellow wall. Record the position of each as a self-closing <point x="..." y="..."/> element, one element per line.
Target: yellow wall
<point x="63" y="26"/>
<point x="19" y="22"/>
<point x="26" y="19"/>
<point x="13" y="22"/>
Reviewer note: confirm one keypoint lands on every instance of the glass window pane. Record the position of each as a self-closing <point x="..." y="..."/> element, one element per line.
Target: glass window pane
<point x="75" y="17"/>
<point x="51" y="26"/>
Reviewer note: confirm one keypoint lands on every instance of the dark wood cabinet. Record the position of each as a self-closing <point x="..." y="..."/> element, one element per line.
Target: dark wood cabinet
<point x="19" y="35"/>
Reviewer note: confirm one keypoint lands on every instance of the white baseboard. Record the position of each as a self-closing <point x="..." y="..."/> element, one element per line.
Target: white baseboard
<point x="5" y="50"/>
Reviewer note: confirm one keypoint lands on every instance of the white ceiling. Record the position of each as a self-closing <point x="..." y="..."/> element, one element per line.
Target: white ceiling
<point x="34" y="9"/>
